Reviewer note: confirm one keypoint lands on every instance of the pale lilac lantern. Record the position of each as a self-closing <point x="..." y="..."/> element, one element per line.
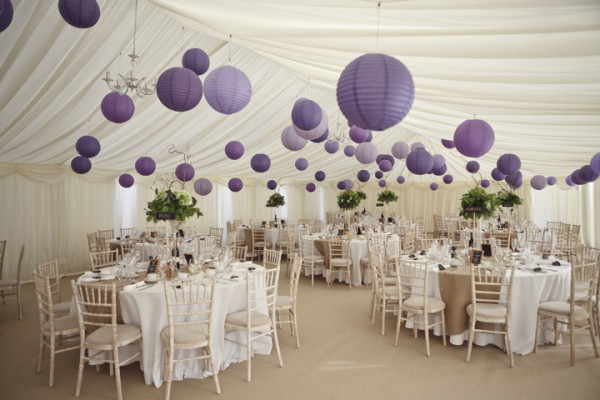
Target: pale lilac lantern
<point x="448" y="179"/>
<point x="203" y="186"/>
<point x="87" y="146"/>
<point x="433" y="186"/>
<point x="117" y="108"/>
<point x="375" y="91"/>
<point x="184" y="172"/>
<point x="126" y="180"/>
<point x="587" y="174"/>
<point x="474" y="138"/>
<point x="366" y="152"/>
<point x="348" y="184"/>
<point x="349" y="150"/>
<point x="260" y="162"/>
<point x="358" y="134"/>
<point x="538" y="182"/>
<point x="472" y="166"/>
<point x="6" y="14"/>
<point x="322" y="138"/>
<point x="271" y="184"/>
<point x="341" y="185"/>
<point x="227" y="89"/>
<point x="81" y="164"/>
<point x="316" y="132"/>
<point x="306" y="114"/>
<point x="301" y="164"/>
<point x="400" y="179"/>
<point x="508" y="164"/>
<point x="145" y="166"/>
<point x="497" y="175"/>
<point x="485" y="183"/>
<point x="197" y="60"/>
<point x="400" y="150"/>
<point x="291" y="140"/>
<point x="234" y="150"/>
<point x="551" y="181"/>
<point x="419" y="161"/>
<point x="417" y="145"/>
<point x="378" y="174"/>
<point x="438" y="161"/>
<point x="78" y="13"/>
<point x="179" y="89"/>
<point x="363" y="175"/>
<point x="320" y="176"/>
<point x="449" y="144"/>
<point x="310" y="187"/>
<point x="235" y="184"/>
<point x="439" y="171"/>
<point x="331" y="147"/>
<point x="385" y="165"/>
<point x="595" y="163"/>
<point x="382" y="183"/>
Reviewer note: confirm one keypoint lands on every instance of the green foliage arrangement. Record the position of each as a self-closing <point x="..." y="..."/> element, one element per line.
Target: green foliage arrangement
<point x="509" y="197"/>
<point x="179" y="202"/>
<point x="276" y="200"/>
<point x="387" y="196"/>
<point x="348" y="199"/>
<point x="478" y="197"/>
<point x="362" y="195"/>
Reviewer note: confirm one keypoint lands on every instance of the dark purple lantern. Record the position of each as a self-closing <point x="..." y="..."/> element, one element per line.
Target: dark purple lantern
<point x="117" y="108"/>
<point x="358" y="134"/>
<point x="6" y="15"/>
<point x="472" y="166"/>
<point x="595" y="163"/>
<point x="382" y="183"/>
<point x="400" y="150"/>
<point x="388" y="157"/>
<point x="485" y="183"/>
<point x="184" y="172"/>
<point x="81" y="164"/>
<point x="310" y="187"/>
<point x="197" y="60"/>
<point x="203" y="186"/>
<point x="363" y="175"/>
<point x="291" y="140"/>
<point x="322" y="138"/>
<point x="179" y="89"/>
<point x="79" y="13"/>
<point x="439" y="171"/>
<point x="449" y="144"/>
<point x="497" y="175"/>
<point x="145" y="166"/>
<point x="433" y="186"/>
<point x="271" y="184"/>
<point x="587" y="174"/>
<point x="260" y="162"/>
<point x="234" y="150"/>
<point x="348" y="184"/>
<point x="378" y="174"/>
<point x="88" y="146"/>
<point x="515" y="180"/>
<point x="474" y="138"/>
<point x="538" y="182"/>
<point x="448" y="179"/>
<point x="569" y="181"/>
<point x="331" y="147"/>
<point x="385" y="165"/>
<point x="400" y="179"/>
<point x="320" y="176"/>
<point x="551" y="181"/>
<point x="301" y="164"/>
<point x="375" y="91"/>
<point x="341" y="185"/>
<point x="349" y="150"/>
<point x="508" y="164"/>
<point x="576" y="178"/>
<point x="126" y="180"/>
<point x="227" y="89"/>
<point x="419" y="161"/>
<point x="306" y="114"/>
<point x="366" y="152"/>
<point x="235" y="184"/>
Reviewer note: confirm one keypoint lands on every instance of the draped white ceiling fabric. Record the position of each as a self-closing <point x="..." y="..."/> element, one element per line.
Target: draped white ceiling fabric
<point x="530" y="68"/>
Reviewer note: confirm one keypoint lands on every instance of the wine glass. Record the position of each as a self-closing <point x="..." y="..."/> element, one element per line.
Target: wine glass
<point x="162" y="268"/>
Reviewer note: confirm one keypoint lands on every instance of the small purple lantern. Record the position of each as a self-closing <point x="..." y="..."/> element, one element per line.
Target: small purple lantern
<point x="449" y="144"/>
<point x="348" y="184"/>
<point x="595" y="163"/>
<point x="514" y="181"/>
<point x="538" y="182"/>
<point x="363" y="175"/>
<point x="271" y="184"/>
<point x="433" y="186"/>
<point x="439" y="171"/>
<point x="179" y="89"/>
<point x="81" y="164"/>
<point x="227" y="89"/>
<point x="322" y="138"/>
<point x="400" y="150"/>
<point x="419" y="161"/>
<point x="508" y="164"/>
<point x="349" y="150"/>
<point x="448" y="179"/>
<point x="497" y="175"/>
<point x="291" y="140"/>
<point x="472" y="166"/>
<point x="341" y="185"/>
<point x="234" y="149"/>
<point x="331" y="147"/>
<point x="315" y="133"/>
<point x="260" y="162"/>
<point x="145" y="166"/>
<point x="366" y="152"/>
<point x="417" y="145"/>
<point x="126" y="180"/>
<point x="184" y="172"/>
<point x="485" y="183"/>
<point x="306" y="114"/>
<point x="385" y="165"/>
<point x="88" y="146"/>
<point x="358" y="134"/>
<point x="78" y="13"/>
<point x="551" y="181"/>
<point x="310" y="187"/>
<point x="320" y="176"/>
<point x="235" y="184"/>
<point x="378" y="175"/>
<point x="388" y="157"/>
<point x="117" y="108"/>
<point x="587" y="174"/>
<point x="6" y="14"/>
<point x="569" y="181"/>
<point x="203" y="186"/>
<point x="301" y="164"/>
<point x="400" y="179"/>
<point x="197" y="60"/>
<point x="382" y="183"/>
<point x="474" y="138"/>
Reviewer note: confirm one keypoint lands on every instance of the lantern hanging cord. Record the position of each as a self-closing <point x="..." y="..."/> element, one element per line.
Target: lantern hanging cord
<point x="378" y="17"/>
<point x="135" y="25"/>
<point x="229" y="47"/>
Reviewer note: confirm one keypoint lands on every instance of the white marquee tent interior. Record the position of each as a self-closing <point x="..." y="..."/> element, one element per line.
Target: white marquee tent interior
<point x="530" y="68"/>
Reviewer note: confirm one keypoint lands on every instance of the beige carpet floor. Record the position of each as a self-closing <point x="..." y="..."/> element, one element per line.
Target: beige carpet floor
<point x="342" y="357"/>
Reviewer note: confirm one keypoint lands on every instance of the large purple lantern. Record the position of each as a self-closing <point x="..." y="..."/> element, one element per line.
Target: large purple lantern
<point x="400" y="179"/>
<point x="551" y="181"/>
<point x="227" y="89"/>
<point x="474" y="138"/>
<point x="349" y="150"/>
<point x="508" y="164"/>
<point x="363" y="175"/>
<point x="310" y="187"/>
<point x="316" y="132"/>
<point x="497" y="175"/>
<point x="184" y="172"/>
<point x="271" y="184"/>
<point x="260" y="162"/>
<point x="306" y="114"/>
<point x="433" y="186"/>
<point x="145" y="166"/>
<point x="375" y="91"/>
<point x="81" y="164"/>
<point x="6" y="14"/>
<point x="203" y="186"/>
<point x="301" y="164"/>
<point x="331" y="147"/>
<point x="197" y="60"/>
<point x="87" y="146"/>
<point x="179" y="89"/>
<point x="126" y="180"/>
<point x="234" y="149"/>
<point x="117" y="108"/>
<point x="400" y="150"/>
<point x="595" y="163"/>
<point x="79" y="13"/>
<point x="587" y="174"/>
<point x="449" y="144"/>
<point x="448" y="179"/>
<point x="320" y="176"/>
<point x="235" y="184"/>
<point x="538" y="182"/>
<point x="366" y="152"/>
<point x="291" y="140"/>
<point x="385" y="166"/>
<point x="358" y="134"/>
<point x="472" y="166"/>
<point x="419" y="161"/>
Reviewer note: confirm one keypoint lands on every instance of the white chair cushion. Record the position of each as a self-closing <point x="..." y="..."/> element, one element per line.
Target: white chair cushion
<point x="314" y="258"/>
<point x="66" y="323"/>
<point x="364" y="261"/>
<point x="488" y="311"/>
<point x="416" y="303"/>
<point x="187" y="336"/>
<point x="103" y="336"/>
<point x="283" y="302"/>
<point x="241" y="319"/>
<point x="390" y="291"/>
<point x="563" y="308"/>
<point x="62" y="308"/>
<point x="340" y="262"/>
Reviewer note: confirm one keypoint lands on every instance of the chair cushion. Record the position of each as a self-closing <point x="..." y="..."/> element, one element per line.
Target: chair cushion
<point x="340" y="262"/>
<point x="313" y="258"/>
<point x="241" y="319"/>
<point x="390" y="291"/>
<point x="563" y="308"/>
<point x="283" y="302"/>
<point x="262" y="244"/>
<point x="62" y="324"/>
<point x="102" y="337"/>
<point x="187" y="336"/>
<point x="488" y="312"/>
<point x="416" y="303"/>
<point x="8" y="283"/>
<point x="62" y="308"/>
<point x="364" y="261"/>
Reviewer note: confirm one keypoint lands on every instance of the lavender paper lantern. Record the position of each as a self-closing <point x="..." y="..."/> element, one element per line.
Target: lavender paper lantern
<point x="260" y="162"/>
<point x="419" y="161"/>
<point x="400" y="179"/>
<point x="382" y="183"/>
<point x="349" y="150"/>
<point x="388" y="157"/>
<point x="234" y="150"/>
<point x="6" y="15"/>
<point x="331" y="147"/>
<point x="306" y="114"/>
<point x="88" y="146"/>
<point x="179" y="89"/>
<point x="385" y="165"/>
<point x="79" y="13"/>
<point x="569" y="181"/>
<point x="538" y="182"/>
<point x="472" y="166"/>
<point x="595" y="163"/>
<point x="197" y="60"/>
<point x="117" y="108"/>
<point x="316" y="132"/>
<point x="587" y="174"/>
<point x="400" y="150"/>
<point x="271" y="184"/>
<point x="474" y="138"/>
<point x="363" y="175"/>
<point x="485" y="183"/>
<point x="235" y="184"/>
<point x="576" y="178"/>
<point x="497" y="175"/>
<point x="366" y="152"/>
<point x="449" y="144"/>
<point x="438" y="161"/>
<point x="508" y="164"/>
<point x="203" y="186"/>
<point x="551" y="181"/>
<point x="227" y="89"/>
<point x="310" y="187"/>
<point x="378" y="175"/>
<point x="341" y="185"/>
<point x="320" y="176"/>
<point x="515" y="180"/>
<point x="145" y="166"/>
<point x="184" y="172"/>
<point x="358" y="134"/>
<point x="433" y="186"/>
<point x="375" y="91"/>
<point x="448" y="179"/>
<point x="322" y="138"/>
<point x="81" y="164"/>
<point x="417" y="145"/>
<point x="301" y="164"/>
<point x="291" y="140"/>
<point x="348" y="184"/>
<point x="126" y="180"/>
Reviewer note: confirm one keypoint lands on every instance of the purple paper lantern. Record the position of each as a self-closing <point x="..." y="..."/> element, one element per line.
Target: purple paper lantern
<point x="449" y="144"/>
<point x="472" y="166"/>
<point x="184" y="172"/>
<point x="569" y="181"/>
<point x="587" y="174"/>
<point x="6" y="14"/>
<point x="145" y="166"/>
<point x="301" y="164"/>
<point x="117" y="108"/>
<point x="227" y="89"/>
<point x="515" y="180"/>
<point x="79" y="13"/>
<point x="382" y="183"/>
<point x="348" y="184"/>
<point x="358" y="134"/>
<point x="448" y="179"/>
<point x="322" y="138"/>
<point x="388" y="157"/>
<point x="235" y="184"/>
<point x="291" y="140"/>
<point x="320" y="176"/>
<point x="370" y="137"/>
<point x="400" y="150"/>
<point x="88" y="146"/>
<point x="331" y="147"/>
<point x="485" y="183"/>
<point x="595" y="163"/>
<point x="126" y="180"/>
<point x="363" y="175"/>
<point x="378" y="174"/>
<point x="419" y="161"/>
<point x="417" y="145"/>
<point x="474" y="138"/>
<point x="234" y="150"/>
<point x="375" y="91"/>
<point x="271" y="184"/>
<point x="439" y="171"/>
<point x="385" y="165"/>
<point x="306" y="114"/>
<point x="576" y="178"/>
<point x="81" y="164"/>
<point x="433" y="186"/>
<point x="316" y="132"/>
<point x="310" y="187"/>
<point x="203" y="186"/>
<point x="400" y="179"/>
<point x="341" y="185"/>
<point x="366" y="152"/>
<point x="179" y="89"/>
<point x="438" y="161"/>
<point x="551" y="181"/>
<point x="197" y="60"/>
<point x="538" y="182"/>
<point x="497" y="175"/>
<point x="349" y="150"/>
<point x="260" y="162"/>
<point x="508" y="164"/>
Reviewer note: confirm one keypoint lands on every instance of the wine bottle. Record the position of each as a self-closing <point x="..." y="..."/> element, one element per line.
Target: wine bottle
<point x="471" y="240"/>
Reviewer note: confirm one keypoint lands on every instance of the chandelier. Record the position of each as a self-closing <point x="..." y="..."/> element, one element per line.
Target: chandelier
<point x="127" y="82"/>
<point x="340" y="134"/>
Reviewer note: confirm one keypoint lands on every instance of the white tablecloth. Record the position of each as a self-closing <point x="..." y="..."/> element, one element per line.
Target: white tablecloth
<point x="358" y="250"/>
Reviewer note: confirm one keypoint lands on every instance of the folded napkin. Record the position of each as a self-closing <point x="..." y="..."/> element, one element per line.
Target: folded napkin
<point x="107" y="277"/>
